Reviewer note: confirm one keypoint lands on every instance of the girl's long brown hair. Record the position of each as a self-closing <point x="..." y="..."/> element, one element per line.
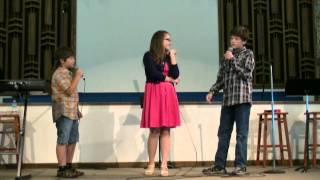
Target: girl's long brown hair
<point x="156" y="46"/>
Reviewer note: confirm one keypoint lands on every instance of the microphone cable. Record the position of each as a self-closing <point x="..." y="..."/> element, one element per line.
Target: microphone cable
<point x="84" y="91"/>
<point x="194" y="147"/>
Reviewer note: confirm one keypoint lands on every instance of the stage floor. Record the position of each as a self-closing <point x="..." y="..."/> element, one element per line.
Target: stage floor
<point x="179" y="173"/>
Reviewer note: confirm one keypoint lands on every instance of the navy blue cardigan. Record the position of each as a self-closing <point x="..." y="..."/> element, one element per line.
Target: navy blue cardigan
<point x="154" y="71"/>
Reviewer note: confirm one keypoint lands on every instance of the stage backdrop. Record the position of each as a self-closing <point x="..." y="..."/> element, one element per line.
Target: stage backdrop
<point x="113" y="35"/>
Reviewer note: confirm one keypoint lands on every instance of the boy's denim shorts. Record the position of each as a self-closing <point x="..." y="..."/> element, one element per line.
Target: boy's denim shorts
<point x="67" y="131"/>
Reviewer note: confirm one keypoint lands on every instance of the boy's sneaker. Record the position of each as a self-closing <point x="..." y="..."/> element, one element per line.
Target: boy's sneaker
<point x="239" y="171"/>
<point x="66" y="173"/>
<point x="77" y="172"/>
<point x="214" y="170"/>
<point x="71" y="168"/>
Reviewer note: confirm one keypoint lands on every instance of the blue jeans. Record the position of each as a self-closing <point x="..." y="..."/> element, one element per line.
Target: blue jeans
<point x="229" y="114"/>
<point x="67" y="131"/>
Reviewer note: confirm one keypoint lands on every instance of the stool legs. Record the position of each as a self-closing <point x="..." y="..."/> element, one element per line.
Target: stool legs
<point x="288" y="142"/>
<point x="265" y="134"/>
<point x="259" y="141"/>
<point x="312" y="117"/>
<point x="314" y="139"/>
<point x="280" y="139"/>
<point x="17" y="135"/>
<point x="263" y="128"/>
<point x="14" y="122"/>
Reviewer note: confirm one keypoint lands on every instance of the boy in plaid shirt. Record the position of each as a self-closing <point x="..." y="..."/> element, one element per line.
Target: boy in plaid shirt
<point x="65" y="111"/>
<point x="235" y="78"/>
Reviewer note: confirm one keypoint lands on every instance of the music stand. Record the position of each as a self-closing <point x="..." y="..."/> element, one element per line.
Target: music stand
<point x="304" y="87"/>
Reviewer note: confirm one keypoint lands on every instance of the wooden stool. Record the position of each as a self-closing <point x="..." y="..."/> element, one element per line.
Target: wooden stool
<point x="313" y="118"/>
<point x="13" y="119"/>
<point x="281" y="118"/>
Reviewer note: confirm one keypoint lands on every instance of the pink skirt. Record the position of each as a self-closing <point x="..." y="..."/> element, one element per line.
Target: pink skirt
<point x="160" y="106"/>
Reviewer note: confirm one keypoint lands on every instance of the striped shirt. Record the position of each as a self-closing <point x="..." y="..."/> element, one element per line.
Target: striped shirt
<point x="63" y="104"/>
<point x="235" y="78"/>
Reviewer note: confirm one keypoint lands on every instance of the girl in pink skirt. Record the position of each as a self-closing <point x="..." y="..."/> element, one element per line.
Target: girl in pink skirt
<point x="160" y="106"/>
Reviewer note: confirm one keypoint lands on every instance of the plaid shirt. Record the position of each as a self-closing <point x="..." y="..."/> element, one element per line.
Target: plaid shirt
<point x="62" y="103"/>
<point x="235" y="78"/>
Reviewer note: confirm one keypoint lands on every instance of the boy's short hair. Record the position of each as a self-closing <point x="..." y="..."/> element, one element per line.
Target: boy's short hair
<point x="63" y="53"/>
<point x="241" y="32"/>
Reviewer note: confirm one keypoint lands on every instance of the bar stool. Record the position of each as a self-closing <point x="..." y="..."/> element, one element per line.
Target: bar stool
<point x="13" y="119"/>
<point x="313" y="118"/>
<point x="281" y="118"/>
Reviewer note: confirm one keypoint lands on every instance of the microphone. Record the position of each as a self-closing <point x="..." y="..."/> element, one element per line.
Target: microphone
<point x="74" y="71"/>
<point x="230" y="49"/>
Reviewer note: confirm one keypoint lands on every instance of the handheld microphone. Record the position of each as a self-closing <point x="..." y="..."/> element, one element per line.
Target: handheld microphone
<point x="83" y="77"/>
<point x="230" y="49"/>
<point x="74" y="71"/>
